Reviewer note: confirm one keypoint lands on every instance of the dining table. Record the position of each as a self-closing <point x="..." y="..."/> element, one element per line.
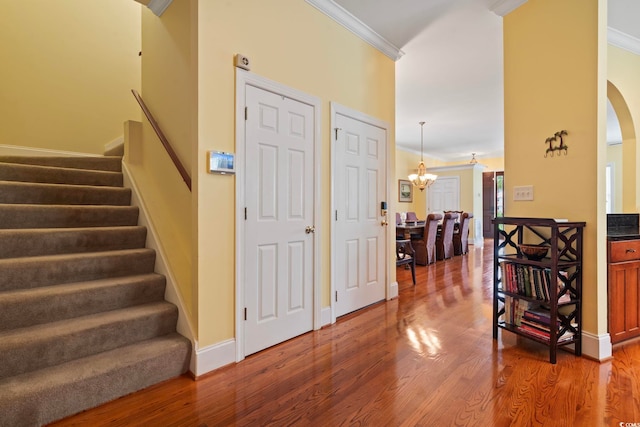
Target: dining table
<point x="409" y="228"/>
<point x="413" y="227"/>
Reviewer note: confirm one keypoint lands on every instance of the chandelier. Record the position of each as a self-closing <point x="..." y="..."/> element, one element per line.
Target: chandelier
<point x="422" y="179"/>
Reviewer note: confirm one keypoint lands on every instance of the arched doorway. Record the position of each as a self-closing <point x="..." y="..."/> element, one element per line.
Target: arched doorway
<point x="621" y="155"/>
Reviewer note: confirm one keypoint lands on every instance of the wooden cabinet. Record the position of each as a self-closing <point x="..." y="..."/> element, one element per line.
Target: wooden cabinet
<point x="540" y="299"/>
<point x="624" y="289"/>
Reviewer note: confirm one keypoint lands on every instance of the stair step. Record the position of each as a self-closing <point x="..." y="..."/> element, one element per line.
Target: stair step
<point x="41" y="346"/>
<point x="33" y="272"/>
<point x="61" y="216"/>
<point x="56" y="175"/>
<point x="28" y="307"/>
<point x="47" y="395"/>
<point x="105" y="163"/>
<point x="16" y="243"/>
<point x="62" y="194"/>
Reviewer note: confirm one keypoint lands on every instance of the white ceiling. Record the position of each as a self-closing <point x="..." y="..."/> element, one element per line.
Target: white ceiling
<point x="451" y="73"/>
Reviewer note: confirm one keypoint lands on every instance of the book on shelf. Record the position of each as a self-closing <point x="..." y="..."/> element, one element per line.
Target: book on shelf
<point x="532" y="281"/>
<point x="568" y="335"/>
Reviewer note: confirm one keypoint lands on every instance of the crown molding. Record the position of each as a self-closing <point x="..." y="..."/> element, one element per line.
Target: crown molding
<point x="503" y="7"/>
<point x="623" y="40"/>
<point x="474" y="166"/>
<point x="357" y="27"/>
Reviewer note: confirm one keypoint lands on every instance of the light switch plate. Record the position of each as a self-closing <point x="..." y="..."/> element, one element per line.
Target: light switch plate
<point x="524" y="192"/>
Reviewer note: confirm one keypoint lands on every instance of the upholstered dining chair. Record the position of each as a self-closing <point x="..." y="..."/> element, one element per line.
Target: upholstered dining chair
<point x="425" y="245"/>
<point x="444" y="240"/>
<point x="461" y="238"/>
<point x="412" y="217"/>
<point x="398" y="219"/>
<point x="405" y="255"/>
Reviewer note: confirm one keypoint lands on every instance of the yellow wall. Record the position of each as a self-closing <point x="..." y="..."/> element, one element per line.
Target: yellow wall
<point x="290" y="42"/>
<point x="622" y="72"/>
<point x="614" y="157"/>
<point x="406" y="163"/>
<point x="67" y="71"/>
<point x="169" y="75"/>
<point x="555" y="79"/>
<point x="491" y="164"/>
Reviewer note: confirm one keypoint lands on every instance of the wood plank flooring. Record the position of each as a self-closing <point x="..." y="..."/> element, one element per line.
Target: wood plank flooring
<point x="426" y="358"/>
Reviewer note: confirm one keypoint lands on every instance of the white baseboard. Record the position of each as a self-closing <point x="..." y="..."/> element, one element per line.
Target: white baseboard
<point x="393" y="291"/>
<point x="597" y="347"/>
<point x="171" y="292"/>
<point x="325" y="316"/>
<point x="18" y="150"/>
<point x="213" y="357"/>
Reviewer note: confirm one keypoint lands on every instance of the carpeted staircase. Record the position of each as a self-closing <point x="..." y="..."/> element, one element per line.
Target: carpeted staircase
<point x="83" y="318"/>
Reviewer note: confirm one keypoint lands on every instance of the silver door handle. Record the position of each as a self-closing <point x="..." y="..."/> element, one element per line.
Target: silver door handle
<point x="310" y="229"/>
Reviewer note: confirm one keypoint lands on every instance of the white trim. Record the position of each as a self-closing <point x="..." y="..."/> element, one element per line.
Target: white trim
<point x="504" y="7"/>
<point x="623" y="40"/>
<point x="113" y="144"/>
<point x="326" y="316"/>
<point x="360" y="116"/>
<point x="17" y="150"/>
<point x="243" y="79"/>
<point x="171" y="293"/>
<point x="597" y="347"/>
<point x="357" y="27"/>
<point x="457" y="167"/>
<point x="213" y="357"/>
<point x="393" y="291"/>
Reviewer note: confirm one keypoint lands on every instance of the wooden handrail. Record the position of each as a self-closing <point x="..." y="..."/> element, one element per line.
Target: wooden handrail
<point x="163" y="140"/>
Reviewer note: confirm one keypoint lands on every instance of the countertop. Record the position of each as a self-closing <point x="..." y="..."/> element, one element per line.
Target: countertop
<point x="623" y="233"/>
<point x="623" y="226"/>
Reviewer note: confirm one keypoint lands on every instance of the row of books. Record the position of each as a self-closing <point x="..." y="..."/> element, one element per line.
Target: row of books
<point x="531" y="281"/>
<point x="532" y="319"/>
<point x="537" y="322"/>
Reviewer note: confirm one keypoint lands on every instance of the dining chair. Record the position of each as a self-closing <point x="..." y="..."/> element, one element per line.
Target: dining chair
<point x="425" y="245"/>
<point x="405" y="255"/>
<point x="398" y="219"/>
<point x="461" y="238"/>
<point x="444" y="240"/>
<point x="412" y="217"/>
<point x="459" y="213"/>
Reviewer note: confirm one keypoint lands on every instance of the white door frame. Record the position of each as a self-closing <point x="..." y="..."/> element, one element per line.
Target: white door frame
<point x="244" y="79"/>
<point x="357" y="115"/>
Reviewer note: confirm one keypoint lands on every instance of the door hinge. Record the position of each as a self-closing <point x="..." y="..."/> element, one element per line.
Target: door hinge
<point x="336" y="214"/>
<point x="337" y="129"/>
<point x="336" y="296"/>
<point x="246" y="113"/>
<point x="245" y="313"/>
<point x="245" y="214"/>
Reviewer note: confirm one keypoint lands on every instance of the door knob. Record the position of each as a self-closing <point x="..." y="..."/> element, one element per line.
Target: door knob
<point x="384" y="223"/>
<point x="310" y="229"/>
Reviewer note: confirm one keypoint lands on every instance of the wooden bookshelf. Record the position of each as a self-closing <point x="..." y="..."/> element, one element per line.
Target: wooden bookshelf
<point x="539" y="299"/>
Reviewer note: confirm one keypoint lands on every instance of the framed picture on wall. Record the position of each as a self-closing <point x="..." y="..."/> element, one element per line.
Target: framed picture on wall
<point x="405" y="191"/>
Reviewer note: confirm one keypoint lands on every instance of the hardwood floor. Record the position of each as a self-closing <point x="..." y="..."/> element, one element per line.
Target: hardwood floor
<point x="426" y="358"/>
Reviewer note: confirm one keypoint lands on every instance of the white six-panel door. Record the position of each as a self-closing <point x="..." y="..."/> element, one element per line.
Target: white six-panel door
<point x="279" y="186"/>
<point x="444" y="194"/>
<point x="359" y="238"/>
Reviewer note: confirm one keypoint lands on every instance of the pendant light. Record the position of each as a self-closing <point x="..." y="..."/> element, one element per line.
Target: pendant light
<point x="422" y="179"/>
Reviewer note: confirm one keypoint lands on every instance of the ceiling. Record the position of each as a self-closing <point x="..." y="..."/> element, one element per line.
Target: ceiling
<point x="450" y="75"/>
